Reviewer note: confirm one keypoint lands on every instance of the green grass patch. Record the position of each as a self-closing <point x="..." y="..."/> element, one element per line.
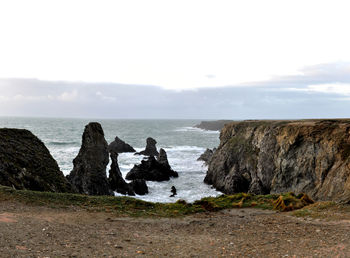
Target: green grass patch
<point x="128" y="206"/>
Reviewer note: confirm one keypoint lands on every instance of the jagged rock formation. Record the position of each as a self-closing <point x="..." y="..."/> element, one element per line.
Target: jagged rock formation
<point x="119" y="146"/>
<point x="89" y="173"/>
<point x="206" y="156"/>
<point x="310" y="156"/>
<point x="25" y="163"/>
<point x="163" y="158"/>
<point x="139" y="186"/>
<point x="152" y="169"/>
<point x="116" y="180"/>
<point x="213" y="125"/>
<point x="118" y="184"/>
<point x="151" y="149"/>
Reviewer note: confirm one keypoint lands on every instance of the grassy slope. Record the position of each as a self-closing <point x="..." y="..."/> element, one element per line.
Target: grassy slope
<point x="127" y="206"/>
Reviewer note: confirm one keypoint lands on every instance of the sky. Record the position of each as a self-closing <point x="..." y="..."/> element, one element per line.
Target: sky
<point x="248" y="59"/>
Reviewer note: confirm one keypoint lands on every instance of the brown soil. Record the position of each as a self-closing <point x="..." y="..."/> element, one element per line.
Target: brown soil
<point x="28" y="231"/>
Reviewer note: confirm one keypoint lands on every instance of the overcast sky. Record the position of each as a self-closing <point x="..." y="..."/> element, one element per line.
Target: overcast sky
<point x="175" y="59"/>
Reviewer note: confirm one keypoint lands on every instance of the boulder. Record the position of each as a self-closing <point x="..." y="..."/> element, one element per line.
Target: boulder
<point x="116" y="180"/>
<point x="89" y="172"/>
<point x="151" y="149"/>
<point x="173" y="191"/>
<point x="139" y="186"/>
<point x="152" y="170"/>
<point x="25" y="163"/>
<point x="119" y="146"/>
<point x="206" y="156"/>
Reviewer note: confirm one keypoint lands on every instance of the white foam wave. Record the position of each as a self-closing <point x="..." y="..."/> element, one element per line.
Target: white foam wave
<point x="195" y="129"/>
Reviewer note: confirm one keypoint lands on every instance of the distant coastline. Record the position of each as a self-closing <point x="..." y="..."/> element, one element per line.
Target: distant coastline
<point x="216" y="125"/>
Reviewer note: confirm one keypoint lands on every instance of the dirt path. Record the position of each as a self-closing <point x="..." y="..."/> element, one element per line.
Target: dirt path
<point x="27" y="231"/>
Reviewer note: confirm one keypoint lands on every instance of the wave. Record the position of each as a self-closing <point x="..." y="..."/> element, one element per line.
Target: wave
<point x="183" y="148"/>
<point x="63" y="143"/>
<point x="194" y="129"/>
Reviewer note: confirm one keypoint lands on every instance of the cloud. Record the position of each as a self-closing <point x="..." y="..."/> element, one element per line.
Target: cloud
<point x="316" y="91"/>
<point x="329" y="88"/>
<point x="103" y="97"/>
<point x="68" y="96"/>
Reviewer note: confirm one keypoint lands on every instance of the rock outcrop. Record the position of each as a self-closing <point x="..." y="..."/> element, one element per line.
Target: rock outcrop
<point x="151" y="149"/>
<point x="89" y="173"/>
<point x="153" y="170"/>
<point x="25" y="163"/>
<point x="139" y="186"/>
<point x="119" y="146"/>
<point x="206" y="156"/>
<point x="309" y="156"/>
<point x="163" y="158"/>
<point x="213" y="125"/>
<point x="116" y="180"/>
<point x="118" y="184"/>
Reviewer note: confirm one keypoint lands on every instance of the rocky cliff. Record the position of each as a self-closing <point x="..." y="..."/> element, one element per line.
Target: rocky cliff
<point x="25" y="163"/>
<point x="310" y="156"/>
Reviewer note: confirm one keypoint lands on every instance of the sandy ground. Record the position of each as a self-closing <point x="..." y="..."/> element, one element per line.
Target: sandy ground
<point x="27" y="231"/>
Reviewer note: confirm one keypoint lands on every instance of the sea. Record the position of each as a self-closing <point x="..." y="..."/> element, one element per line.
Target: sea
<point x="182" y="142"/>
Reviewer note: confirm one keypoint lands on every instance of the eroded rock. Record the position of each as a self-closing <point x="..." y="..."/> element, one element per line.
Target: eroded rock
<point x="151" y="149"/>
<point x="151" y="169"/>
<point x="89" y="173"/>
<point x="206" y="156"/>
<point x="116" y="180"/>
<point x="119" y="146"/>
<point x="308" y="156"/>
<point x="25" y="163"/>
<point x="139" y="186"/>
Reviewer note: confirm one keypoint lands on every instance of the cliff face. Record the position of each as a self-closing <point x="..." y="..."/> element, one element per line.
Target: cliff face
<point x="25" y="163"/>
<point x="310" y="156"/>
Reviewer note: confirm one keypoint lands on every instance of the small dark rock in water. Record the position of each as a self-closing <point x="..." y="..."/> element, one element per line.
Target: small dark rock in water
<point x="89" y="173"/>
<point x="206" y="156"/>
<point x="139" y="186"/>
<point x="116" y="180"/>
<point x="119" y="146"/>
<point x="26" y="163"/>
<point x="151" y="149"/>
<point x="173" y="191"/>
<point x="152" y="170"/>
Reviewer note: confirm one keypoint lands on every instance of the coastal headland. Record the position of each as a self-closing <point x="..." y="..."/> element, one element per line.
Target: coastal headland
<point x="272" y="171"/>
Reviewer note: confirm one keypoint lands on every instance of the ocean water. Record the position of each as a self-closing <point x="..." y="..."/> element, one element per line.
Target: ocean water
<point x="182" y="142"/>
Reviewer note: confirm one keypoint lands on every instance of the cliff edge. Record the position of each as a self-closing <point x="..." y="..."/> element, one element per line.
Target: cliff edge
<point x="213" y="125"/>
<point x="261" y="157"/>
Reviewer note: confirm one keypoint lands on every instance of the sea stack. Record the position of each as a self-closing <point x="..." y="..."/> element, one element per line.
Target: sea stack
<point x="89" y="173"/>
<point x="152" y="169"/>
<point x="26" y="163"/>
<point x="116" y="180"/>
<point x="163" y="158"/>
<point x="119" y="146"/>
<point x="151" y="149"/>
